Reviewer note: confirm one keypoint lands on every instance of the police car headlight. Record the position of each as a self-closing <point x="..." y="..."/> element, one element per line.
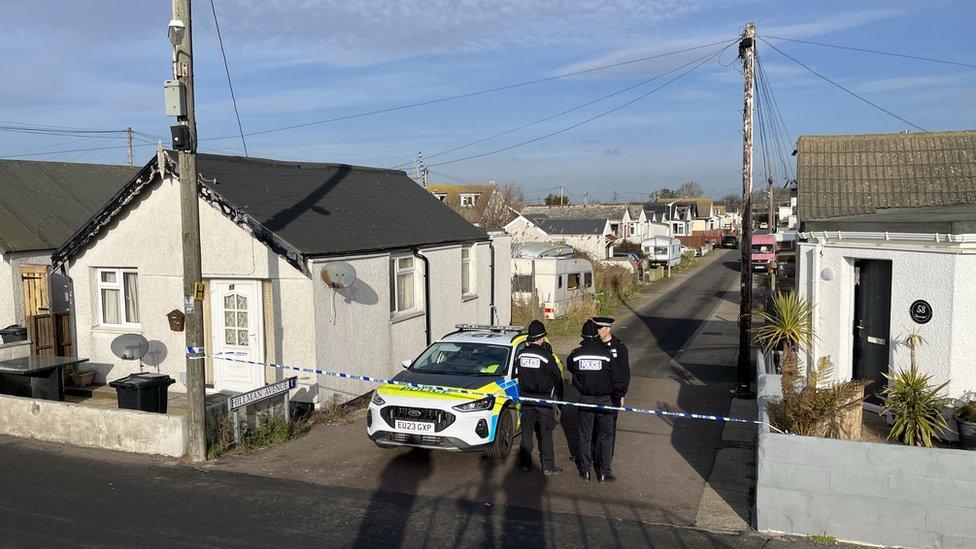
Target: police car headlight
<point x="486" y="403"/>
<point x="377" y="399"/>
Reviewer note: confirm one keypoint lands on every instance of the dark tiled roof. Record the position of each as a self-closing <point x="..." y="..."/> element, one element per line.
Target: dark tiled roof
<point x="841" y="175"/>
<point x="43" y="203"/>
<point x="954" y="219"/>
<point x="612" y="212"/>
<point x="567" y="226"/>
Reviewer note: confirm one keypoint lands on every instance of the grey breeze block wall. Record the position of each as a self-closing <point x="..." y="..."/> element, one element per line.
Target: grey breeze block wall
<point x="872" y="493"/>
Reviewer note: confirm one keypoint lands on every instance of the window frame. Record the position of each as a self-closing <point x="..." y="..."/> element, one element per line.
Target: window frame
<point x="469" y="263"/>
<point x="119" y="286"/>
<point x="395" y="272"/>
<point x="474" y="199"/>
<point x="569" y="281"/>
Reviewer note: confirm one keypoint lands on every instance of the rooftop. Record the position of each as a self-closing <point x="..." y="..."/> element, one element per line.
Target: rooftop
<point x="567" y="226"/>
<point x="613" y="212"/>
<point x="955" y="219"/>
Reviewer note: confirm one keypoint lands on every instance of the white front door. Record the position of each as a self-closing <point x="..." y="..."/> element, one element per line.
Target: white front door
<point x="238" y="331"/>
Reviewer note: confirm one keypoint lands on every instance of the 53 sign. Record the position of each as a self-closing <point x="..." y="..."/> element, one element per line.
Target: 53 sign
<point x="921" y="311"/>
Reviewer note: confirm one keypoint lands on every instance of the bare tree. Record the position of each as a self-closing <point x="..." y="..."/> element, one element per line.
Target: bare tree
<point x="665" y="192"/>
<point x="731" y="199"/>
<point x="503" y="205"/>
<point x="689" y="189"/>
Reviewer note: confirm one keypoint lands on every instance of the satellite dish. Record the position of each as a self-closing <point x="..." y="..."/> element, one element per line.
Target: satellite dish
<point x="130" y="346"/>
<point x="338" y="275"/>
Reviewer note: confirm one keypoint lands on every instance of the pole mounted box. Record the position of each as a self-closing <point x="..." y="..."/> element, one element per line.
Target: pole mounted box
<point x="174" y="94"/>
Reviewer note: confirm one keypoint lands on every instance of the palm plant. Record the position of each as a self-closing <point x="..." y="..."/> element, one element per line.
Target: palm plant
<point x="787" y="325"/>
<point x="914" y="403"/>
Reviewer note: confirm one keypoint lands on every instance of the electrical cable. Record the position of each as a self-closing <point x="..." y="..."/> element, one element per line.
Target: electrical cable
<point x="474" y="93"/>
<point x="702" y="60"/>
<point x="230" y="85"/>
<point x="545" y="119"/>
<point x="864" y="50"/>
<point x="818" y="75"/>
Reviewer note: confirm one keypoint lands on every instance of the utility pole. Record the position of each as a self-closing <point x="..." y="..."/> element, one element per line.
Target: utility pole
<point x="190" y="215"/>
<point x="747" y="52"/>
<point x="771" y="217"/>
<point x="561" y="196"/>
<point x="128" y="133"/>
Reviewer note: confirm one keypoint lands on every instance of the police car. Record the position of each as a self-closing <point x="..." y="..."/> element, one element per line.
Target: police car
<point x="476" y="358"/>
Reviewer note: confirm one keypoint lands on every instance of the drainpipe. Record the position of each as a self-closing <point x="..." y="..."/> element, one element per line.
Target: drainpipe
<point x="416" y="252"/>
<point x="493" y="312"/>
<point x="815" y="300"/>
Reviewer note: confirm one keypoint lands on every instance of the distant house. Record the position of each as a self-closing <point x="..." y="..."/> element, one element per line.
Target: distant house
<point x="677" y="219"/>
<point x="618" y="215"/>
<point x="471" y="201"/>
<point x="268" y="228"/>
<point x="888" y="229"/>
<point x="702" y="210"/>
<point x="41" y="205"/>
<point x="592" y="236"/>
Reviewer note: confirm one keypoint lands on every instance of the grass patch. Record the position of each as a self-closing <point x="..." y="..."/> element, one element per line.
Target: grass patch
<point x="272" y="428"/>
<point x="822" y="539"/>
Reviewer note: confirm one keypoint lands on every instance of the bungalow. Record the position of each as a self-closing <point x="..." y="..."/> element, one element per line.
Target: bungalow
<point x="617" y="214"/>
<point x="592" y="236"/>
<point x="888" y="247"/>
<point x="677" y="220"/>
<point x="644" y="226"/>
<point x="471" y="201"/>
<point x="41" y="205"/>
<point x="268" y="229"/>
<point x="702" y="211"/>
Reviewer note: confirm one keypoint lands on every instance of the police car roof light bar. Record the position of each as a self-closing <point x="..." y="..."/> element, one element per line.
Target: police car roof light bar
<point x="493" y="328"/>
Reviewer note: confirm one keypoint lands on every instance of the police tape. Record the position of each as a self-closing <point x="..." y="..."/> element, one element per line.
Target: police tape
<point x="509" y="390"/>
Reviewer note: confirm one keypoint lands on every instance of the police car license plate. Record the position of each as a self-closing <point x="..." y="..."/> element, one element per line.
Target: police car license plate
<point x="414" y="426"/>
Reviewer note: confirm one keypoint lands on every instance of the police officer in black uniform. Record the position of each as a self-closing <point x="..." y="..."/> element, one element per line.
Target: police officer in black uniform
<point x="619" y="351"/>
<point x="538" y="377"/>
<point x="593" y="369"/>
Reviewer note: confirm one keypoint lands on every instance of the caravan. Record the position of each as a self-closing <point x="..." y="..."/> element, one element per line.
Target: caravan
<point x="549" y="272"/>
<point x="662" y="251"/>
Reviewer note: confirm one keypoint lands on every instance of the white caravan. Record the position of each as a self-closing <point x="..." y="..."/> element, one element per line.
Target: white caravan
<point x="662" y="251"/>
<point x="551" y="272"/>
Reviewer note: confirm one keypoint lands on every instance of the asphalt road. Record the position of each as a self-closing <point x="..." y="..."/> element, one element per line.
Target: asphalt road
<point x="334" y="487"/>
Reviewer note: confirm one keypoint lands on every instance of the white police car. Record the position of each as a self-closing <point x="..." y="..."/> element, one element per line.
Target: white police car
<point x="476" y="358"/>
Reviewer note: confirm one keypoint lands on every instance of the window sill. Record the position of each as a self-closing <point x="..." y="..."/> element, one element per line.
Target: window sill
<point x="405" y="315"/>
<point x="117" y="329"/>
<point x="468" y="297"/>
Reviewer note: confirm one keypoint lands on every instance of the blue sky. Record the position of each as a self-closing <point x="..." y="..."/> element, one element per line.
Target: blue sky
<point x="101" y="65"/>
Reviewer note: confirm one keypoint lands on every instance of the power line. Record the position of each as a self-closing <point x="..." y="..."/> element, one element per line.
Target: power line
<point x="230" y="85"/>
<point x="545" y="119"/>
<point x="474" y="93"/>
<point x="864" y="50"/>
<point x="701" y="61"/>
<point x="75" y="150"/>
<point x="818" y="75"/>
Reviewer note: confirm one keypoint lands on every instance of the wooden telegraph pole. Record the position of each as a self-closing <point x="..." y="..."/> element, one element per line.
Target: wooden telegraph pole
<point x="190" y="215"/>
<point x="747" y="52"/>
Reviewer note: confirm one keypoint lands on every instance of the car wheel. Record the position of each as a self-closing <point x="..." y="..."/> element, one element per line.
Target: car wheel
<point x="504" y="436"/>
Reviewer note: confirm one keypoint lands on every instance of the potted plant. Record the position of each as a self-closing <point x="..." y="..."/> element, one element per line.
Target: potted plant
<point x="965" y="415"/>
<point x="914" y="403"/>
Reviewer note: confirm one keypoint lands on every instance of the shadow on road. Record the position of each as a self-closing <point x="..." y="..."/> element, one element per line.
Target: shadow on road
<point x="388" y="514"/>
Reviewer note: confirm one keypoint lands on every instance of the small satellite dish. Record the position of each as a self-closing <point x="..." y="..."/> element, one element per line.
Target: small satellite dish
<point x="338" y="275"/>
<point x="130" y="346"/>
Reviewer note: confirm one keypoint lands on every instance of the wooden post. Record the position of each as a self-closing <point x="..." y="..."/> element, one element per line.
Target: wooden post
<point x="747" y="52"/>
<point x="190" y="216"/>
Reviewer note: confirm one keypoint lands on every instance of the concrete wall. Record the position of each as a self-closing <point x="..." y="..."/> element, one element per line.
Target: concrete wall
<point x="941" y="275"/>
<point x="355" y="331"/>
<point x="883" y="494"/>
<point x="8" y="315"/>
<point x="124" y="430"/>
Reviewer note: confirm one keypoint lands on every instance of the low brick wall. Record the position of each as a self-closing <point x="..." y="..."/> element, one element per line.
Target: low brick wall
<point x="124" y="430"/>
<point x="882" y="494"/>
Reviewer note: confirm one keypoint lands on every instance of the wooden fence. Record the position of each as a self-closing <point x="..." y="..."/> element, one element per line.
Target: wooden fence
<point x="34" y="282"/>
<point x="50" y="334"/>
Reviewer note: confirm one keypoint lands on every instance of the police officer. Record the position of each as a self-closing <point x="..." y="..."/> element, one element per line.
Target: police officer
<point x="593" y="367"/>
<point x="538" y="377"/>
<point x="604" y="327"/>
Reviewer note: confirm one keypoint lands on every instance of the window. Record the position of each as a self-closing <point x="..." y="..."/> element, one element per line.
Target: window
<point x="588" y="280"/>
<point x="559" y="282"/>
<point x="573" y="281"/>
<point x="468" y="200"/>
<point x="522" y="283"/>
<point x="467" y="271"/>
<point x="118" y="297"/>
<point x="403" y="284"/>
<point x="440" y="196"/>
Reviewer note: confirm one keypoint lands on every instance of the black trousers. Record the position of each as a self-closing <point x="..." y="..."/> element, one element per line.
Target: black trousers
<point x="595" y="436"/>
<point x="538" y="421"/>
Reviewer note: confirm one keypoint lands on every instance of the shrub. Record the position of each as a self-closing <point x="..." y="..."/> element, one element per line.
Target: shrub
<point x="915" y="405"/>
<point x="627" y="246"/>
<point x="966" y="411"/>
<point x="811" y="409"/>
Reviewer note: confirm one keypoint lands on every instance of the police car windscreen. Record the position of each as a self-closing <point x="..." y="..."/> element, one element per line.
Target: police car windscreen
<point x="459" y="358"/>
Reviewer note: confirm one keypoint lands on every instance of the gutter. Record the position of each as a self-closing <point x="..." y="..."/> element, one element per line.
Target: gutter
<point x="427" y="329"/>
<point x="822" y="236"/>
<point x="492" y="312"/>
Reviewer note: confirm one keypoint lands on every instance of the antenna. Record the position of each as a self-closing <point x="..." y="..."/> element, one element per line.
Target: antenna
<point x="337" y="275"/>
<point x="130" y="347"/>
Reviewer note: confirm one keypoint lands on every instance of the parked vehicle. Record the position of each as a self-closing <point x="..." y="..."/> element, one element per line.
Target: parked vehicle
<point x="477" y="358"/>
<point x="763" y="252"/>
<point x="558" y="281"/>
<point x="637" y="261"/>
<point x="730" y="241"/>
<point x="662" y="251"/>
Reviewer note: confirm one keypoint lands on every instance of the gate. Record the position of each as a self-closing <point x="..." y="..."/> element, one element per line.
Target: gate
<point x="50" y="334"/>
<point x="33" y="279"/>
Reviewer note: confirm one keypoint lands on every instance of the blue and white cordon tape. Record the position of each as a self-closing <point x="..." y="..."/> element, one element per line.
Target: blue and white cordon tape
<point x="509" y="388"/>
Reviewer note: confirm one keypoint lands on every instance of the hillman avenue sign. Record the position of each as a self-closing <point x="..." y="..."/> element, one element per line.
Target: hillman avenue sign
<point x="267" y="392"/>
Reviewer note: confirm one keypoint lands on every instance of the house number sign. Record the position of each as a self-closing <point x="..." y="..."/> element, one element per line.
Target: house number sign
<point x="921" y="311"/>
